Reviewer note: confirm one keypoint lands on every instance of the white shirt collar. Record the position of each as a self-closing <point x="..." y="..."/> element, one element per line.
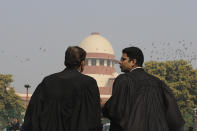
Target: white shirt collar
<point x="135" y="68"/>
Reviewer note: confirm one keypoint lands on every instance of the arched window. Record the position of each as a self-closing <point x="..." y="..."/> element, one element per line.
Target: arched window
<point x="113" y="63"/>
<point x="86" y="60"/>
<point x="108" y="63"/>
<point x="93" y="62"/>
<point x="101" y="62"/>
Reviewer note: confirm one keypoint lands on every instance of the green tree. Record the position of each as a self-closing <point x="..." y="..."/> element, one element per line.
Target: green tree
<point x="180" y="76"/>
<point x="10" y="104"/>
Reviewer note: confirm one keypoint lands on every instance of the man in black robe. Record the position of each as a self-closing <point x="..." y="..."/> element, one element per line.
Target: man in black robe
<point x="65" y="101"/>
<point x="140" y="101"/>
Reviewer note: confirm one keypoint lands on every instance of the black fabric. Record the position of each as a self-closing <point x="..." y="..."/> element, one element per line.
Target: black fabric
<point x="142" y="102"/>
<point x="65" y="101"/>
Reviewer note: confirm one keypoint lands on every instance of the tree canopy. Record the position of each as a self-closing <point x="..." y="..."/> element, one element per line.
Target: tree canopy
<point x="181" y="77"/>
<point x="10" y="104"/>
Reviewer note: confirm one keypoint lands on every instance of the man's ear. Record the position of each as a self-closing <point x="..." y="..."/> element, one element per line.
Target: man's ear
<point x="82" y="65"/>
<point x="134" y="61"/>
<point x="83" y="62"/>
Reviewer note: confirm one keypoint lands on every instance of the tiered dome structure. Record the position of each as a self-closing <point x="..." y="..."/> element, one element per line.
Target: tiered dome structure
<point x="100" y="62"/>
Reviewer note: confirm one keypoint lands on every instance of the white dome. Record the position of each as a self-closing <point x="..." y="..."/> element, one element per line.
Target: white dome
<point x="96" y="43"/>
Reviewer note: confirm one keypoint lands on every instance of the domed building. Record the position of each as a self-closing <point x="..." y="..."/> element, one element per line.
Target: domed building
<point x="100" y="62"/>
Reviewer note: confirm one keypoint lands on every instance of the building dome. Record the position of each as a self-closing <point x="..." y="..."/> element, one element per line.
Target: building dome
<point x="95" y="43"/>
<point x="100" y="61"/>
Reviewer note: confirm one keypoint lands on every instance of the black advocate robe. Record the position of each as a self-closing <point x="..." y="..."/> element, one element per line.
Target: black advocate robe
<point x="142" y="102"/>
<point x="65" y="101"/>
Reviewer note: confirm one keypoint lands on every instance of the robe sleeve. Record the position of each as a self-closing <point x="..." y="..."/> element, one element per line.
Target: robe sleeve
<point x="92" y="99"/>
<point x="173" y="114"/>
<point x="31" y="119"/>
<point x="117" y="107"/>
<point x="90" y="109"/>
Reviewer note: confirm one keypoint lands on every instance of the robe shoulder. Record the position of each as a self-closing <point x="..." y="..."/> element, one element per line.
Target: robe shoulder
<point x="64" y="101"/>
<point x="122" y="79"/>
<point x="139" y="98"/>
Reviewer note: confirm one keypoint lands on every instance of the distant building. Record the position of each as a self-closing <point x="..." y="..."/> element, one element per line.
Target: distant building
<point x="24" y="97"/>
<point x="100" y="62"/>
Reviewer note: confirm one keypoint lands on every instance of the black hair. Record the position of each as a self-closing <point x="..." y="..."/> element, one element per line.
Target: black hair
<point x="134" y="53"/>
<point x="74" y="55"/>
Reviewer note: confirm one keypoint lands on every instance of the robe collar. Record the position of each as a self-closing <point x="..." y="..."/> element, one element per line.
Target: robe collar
<point x="135" y="68"/>
<point x="71" y="70"/>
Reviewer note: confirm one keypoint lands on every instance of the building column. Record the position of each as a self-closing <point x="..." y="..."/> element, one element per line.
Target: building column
<point x="105" y="63"/>
<point x="110" y="63"/>
<point x="97" y="62"/>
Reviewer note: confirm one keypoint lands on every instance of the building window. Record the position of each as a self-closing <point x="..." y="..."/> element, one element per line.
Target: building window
<point x="93" y="62"/>
<point x="113" y="63"/>
<point x="108" y="62"/>
<point x="86" y="60"/>
<point x="101" y="62"/>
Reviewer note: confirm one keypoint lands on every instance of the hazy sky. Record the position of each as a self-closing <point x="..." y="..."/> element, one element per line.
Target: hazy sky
<point x="34" y="34"/>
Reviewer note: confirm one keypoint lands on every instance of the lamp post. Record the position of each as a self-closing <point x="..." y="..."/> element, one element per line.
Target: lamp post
<point x="27" y="86"/>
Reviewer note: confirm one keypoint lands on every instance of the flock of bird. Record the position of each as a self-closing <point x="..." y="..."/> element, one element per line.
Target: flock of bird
<point x="162" y="51"/>
<point x="165" y="51"/>
<point x="24" y="59"/>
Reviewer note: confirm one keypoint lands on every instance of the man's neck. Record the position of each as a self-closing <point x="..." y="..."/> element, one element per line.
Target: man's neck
<point x="79" y="69"/>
